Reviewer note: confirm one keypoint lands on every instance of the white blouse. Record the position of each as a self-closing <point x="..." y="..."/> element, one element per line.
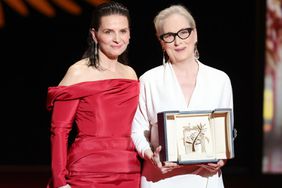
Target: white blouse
<point x="160" y="91"/>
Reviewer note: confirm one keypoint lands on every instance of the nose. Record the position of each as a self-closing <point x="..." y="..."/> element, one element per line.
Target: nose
<point x="116" y="38"/>
<point x="177" y="40"/>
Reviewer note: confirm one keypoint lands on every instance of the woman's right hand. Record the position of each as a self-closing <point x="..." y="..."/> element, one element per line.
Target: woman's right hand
<point x="154" y="158"/>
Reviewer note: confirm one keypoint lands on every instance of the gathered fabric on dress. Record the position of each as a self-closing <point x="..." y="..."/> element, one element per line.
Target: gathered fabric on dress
<point x="102" y="154"/>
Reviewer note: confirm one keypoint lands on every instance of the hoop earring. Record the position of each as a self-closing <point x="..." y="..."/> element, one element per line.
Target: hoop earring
<point x="196" y="52"/>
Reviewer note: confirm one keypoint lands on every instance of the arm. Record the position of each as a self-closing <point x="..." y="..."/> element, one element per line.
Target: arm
<point x="227" y="94"/>
<point x="141" y="131"/>
<point x="226" y="102"/>
<point x="141" y="128"/>
<point x="61" y="124"/>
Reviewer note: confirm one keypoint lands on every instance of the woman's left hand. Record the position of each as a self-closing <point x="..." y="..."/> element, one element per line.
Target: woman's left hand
<point x="214" y="167"/>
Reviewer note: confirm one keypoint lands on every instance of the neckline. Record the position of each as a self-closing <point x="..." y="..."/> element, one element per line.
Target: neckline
<point x="187" y="104"/>
<point x="99" y="81"/>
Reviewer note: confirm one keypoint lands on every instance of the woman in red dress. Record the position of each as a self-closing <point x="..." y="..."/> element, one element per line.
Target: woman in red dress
<point x="99" y="94"/>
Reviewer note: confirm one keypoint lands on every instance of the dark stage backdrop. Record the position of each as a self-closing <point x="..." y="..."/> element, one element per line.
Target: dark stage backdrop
<point x="36" y="51"/>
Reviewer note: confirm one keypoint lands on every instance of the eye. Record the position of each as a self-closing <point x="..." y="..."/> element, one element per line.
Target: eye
<point x="168" y="36"/>
<point x="124" y="31"/>
<point x="184" y="32"/>
<point x="108" y="31"/>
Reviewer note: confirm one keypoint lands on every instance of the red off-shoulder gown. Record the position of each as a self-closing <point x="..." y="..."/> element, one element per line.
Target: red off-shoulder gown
<point x="103" y="154"/>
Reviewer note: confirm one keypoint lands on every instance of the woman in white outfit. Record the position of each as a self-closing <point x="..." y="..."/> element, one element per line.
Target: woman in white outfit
<point x="182" y="83"/>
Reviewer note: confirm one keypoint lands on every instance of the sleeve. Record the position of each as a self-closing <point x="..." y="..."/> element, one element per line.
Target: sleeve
<point x="228" y="94"/>
<point x="61" y="124"/>
<point x="141" y="126"/>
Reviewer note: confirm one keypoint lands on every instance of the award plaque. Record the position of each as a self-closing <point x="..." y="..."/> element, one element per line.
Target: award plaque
<point x="189" y="137"/>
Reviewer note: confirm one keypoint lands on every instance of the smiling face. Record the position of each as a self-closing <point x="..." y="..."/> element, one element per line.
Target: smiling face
<point x="179" y="50"/>
<point x="112" y="36"/>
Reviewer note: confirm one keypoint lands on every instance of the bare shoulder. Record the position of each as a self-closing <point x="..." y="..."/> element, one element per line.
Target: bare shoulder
<point x="75" y="73"/>
<point x="129" y="72"/>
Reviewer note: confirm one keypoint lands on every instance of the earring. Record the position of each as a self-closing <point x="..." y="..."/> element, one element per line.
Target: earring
<point x="196" y="52"/>
<point x="96" y="52"/>
<point x="164" y="59"/>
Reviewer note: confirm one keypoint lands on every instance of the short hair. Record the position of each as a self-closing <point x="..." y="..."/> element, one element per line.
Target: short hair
<point x="173" y="9"/>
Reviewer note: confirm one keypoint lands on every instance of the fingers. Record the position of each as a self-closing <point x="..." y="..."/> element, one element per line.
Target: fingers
<point x="222" y="162"/>
<point x="156" y="161"/>
<point x="156" y="157"/>
<point x="158" y="149"/>
<point x="209" y="168"/>
<point x="165" y="166"/>
<point x="168" y="166"/>
<point x="214" y="167"/>
<point x="165" y="170"/>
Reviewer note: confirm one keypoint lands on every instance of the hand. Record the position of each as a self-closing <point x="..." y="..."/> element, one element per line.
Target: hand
<point x="214" y="167"/>
<point x="65" y="186"/>
<point x="155" y="160"/>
